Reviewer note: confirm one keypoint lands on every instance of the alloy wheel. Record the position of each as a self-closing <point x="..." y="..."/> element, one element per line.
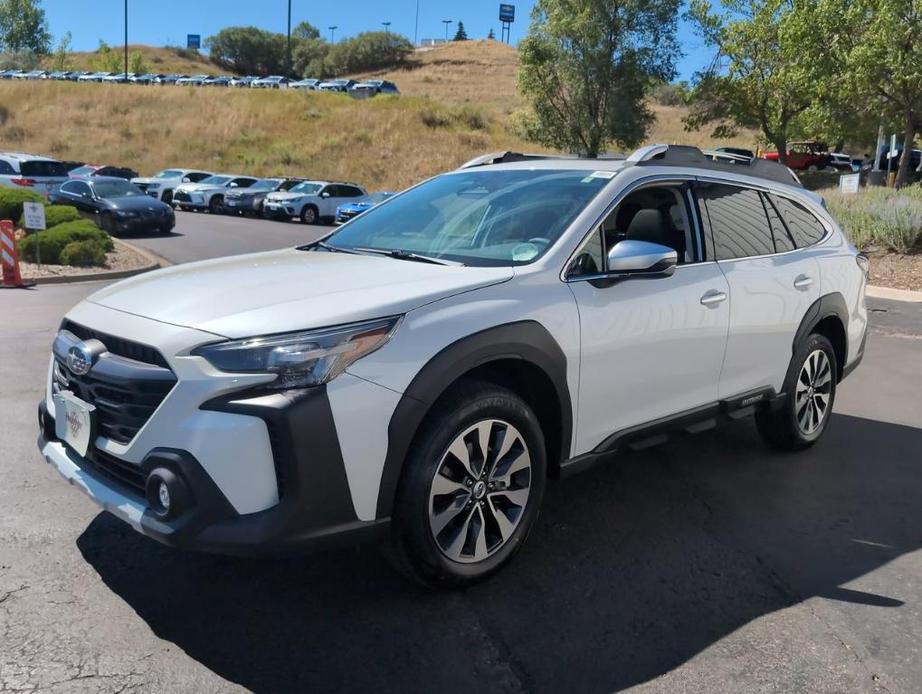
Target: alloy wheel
<point x="480" y="490"/>
<point x="813" y="392"/>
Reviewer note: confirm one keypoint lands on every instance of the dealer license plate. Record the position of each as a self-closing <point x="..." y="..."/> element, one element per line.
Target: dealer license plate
<point x="75" y="421"/>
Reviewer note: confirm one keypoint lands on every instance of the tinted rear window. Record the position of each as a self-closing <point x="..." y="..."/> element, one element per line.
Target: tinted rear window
<point x="43" y="168"/>
<point x="805" y="228"/>
<point x="738" y="222"/>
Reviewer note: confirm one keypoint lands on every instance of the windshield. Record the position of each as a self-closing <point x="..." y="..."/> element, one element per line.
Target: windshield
<point x="169" y="173"/>
<point x="82" y="171"/>
<point x="266" y="184"/>
<point x="306" y="188"/>
<point x="487" y="218"/>
<point x="215" y="180"/>
<point x="116" y="189"/>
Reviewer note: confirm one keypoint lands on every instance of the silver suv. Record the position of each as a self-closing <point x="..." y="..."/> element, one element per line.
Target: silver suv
<point x="32" y="172"/>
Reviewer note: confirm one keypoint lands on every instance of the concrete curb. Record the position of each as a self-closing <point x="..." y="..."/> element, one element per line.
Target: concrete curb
<point x="894" y="294"/>
<point x="154" y="262"/>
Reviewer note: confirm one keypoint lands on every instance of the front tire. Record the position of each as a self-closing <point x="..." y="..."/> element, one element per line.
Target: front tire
<point x="810" y="392"/>
<point x="216" y="204"/>
<point x="471" y="487"/>
<point x="309" y="215"/>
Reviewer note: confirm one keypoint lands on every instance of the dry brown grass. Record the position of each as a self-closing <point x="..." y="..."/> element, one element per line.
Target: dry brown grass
<point x="156" y="59"/>
<point x="457" y="102"/>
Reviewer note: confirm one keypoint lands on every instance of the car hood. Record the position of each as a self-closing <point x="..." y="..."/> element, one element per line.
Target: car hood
<point x="135" y="202"/>
<point x="350" y="206"/>
<point x="151" y="179"/>
<point x="288" y="290"/>
<point x="281" y="195"/>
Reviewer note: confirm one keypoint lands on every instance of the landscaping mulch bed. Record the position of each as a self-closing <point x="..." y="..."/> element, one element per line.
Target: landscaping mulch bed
<point x="896" y="271"/>
<point x="124" y="257"/>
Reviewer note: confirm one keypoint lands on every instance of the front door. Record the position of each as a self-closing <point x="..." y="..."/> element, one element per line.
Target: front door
<point x="650" y="349"/>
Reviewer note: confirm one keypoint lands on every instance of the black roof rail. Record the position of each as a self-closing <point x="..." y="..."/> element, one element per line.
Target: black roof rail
<point x="507" y="158"/>
<point x="686" y="155"/>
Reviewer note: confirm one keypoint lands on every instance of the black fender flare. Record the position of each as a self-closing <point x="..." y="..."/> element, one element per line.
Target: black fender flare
<point x="832" y="304"/>
<point x="527" y="340"/>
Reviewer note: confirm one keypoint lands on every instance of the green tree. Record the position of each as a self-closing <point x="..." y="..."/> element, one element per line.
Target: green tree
<point x="23" y="27"/>
<point x="136" y="63"/>
<point x="371" y="50"/>
<point x="460" y="34"/>
<point x="248" y="50"/>
<point x="587" y="67"/>
<point x="308" y="58"/>
<point x="881" y="58"/>
<point x="758" y="78"/>
<point x="305" y="30"/>
<point x="60" y="52"/>
<point x="106" y="59"/>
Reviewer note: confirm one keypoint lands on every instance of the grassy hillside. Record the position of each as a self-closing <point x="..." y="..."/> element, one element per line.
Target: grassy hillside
<point x="156" y="59"/>
<point x="457" y="103"/>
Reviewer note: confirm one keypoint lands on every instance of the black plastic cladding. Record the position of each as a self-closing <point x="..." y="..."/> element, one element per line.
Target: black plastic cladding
<point x="527" y="340"/>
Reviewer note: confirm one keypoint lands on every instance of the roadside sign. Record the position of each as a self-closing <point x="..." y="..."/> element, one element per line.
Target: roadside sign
<point x="849" y="183"/>
<point x="194" y="41"/>
<point x="506" y="13"/>
<point x="34" y="213"/>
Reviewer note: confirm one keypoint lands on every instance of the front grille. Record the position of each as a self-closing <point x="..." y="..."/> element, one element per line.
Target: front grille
<point x="118" y="345"/>
<point x="182" y="196"/>
<point x="125" y="390"/>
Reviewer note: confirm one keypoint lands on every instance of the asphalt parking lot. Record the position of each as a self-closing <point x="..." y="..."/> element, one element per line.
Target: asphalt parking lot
<point x="707" y="565"/>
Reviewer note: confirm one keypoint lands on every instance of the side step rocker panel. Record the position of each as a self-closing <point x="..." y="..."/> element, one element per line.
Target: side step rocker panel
<point x="662" y="430"/>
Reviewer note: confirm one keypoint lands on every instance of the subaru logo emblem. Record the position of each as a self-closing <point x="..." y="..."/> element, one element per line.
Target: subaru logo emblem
<point x="79" y="359"/>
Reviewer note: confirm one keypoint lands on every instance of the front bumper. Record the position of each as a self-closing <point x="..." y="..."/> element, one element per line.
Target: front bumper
<point x="280" y="210"/>
<point x="142" y="224"/>
<point x="315" y="508"/>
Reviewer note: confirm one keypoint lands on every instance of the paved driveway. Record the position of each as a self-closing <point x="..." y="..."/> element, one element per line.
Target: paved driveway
<point x="707" y="565"/>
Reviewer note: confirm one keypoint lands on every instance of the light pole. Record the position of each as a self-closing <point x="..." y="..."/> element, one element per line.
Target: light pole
<point x="333" y="33"/>
<point x="387" y="27"/>
<point x="446" y="22"/>
<point x="126" y="39"/>
<point x="288" y="51"/>
<point x="416" y="26"/>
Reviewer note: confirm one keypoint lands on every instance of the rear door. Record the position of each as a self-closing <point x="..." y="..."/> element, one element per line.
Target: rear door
<point x="772" y="284"/>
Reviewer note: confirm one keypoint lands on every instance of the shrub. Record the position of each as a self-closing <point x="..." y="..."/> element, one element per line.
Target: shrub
<point x="11" y="200"/>
<point x="56" y="214"/>
<point x="368" y="51"/>
<point x="880" y="217"/>
<point x="669" y="93"/>
<point x="52" y="242"/>
<point x="83" y="254"/>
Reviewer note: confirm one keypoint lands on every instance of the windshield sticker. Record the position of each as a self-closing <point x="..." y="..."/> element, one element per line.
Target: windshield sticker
<point x="602" y="174"/>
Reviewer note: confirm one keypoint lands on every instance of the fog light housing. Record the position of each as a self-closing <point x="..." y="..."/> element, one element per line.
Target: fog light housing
<point x="167" y="495"/>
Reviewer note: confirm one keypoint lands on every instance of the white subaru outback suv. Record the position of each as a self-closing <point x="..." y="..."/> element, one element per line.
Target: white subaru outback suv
<point x="421" y="372"/>
<point x="312" y="201"/>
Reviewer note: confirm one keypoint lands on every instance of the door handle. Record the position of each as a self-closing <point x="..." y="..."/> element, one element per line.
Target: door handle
<point x="803" y="281"/>
<point x="712" y="298"/>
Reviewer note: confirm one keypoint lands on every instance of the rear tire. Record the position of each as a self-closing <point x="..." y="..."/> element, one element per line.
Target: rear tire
<point x="461" y="513"/>
<point x="810" y="393"/>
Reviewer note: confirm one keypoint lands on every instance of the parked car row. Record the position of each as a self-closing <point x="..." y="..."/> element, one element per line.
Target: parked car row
<point x="120" y="200"/>
<point x="358" y="89"/>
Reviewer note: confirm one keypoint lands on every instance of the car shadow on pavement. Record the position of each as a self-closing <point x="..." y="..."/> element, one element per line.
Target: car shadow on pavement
<point x="632" y="569"/>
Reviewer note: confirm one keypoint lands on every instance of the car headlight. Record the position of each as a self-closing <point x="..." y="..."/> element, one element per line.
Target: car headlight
<point x="301" y="359"/>
<point x="153" y="186"/>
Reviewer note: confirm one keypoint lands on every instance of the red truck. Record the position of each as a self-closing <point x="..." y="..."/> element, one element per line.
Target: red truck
<point x="806" y="156"/>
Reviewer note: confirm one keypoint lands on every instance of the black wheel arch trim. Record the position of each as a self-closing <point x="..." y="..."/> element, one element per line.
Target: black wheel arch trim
<point x="526" y="340"/>
<point x="832" y="304"/>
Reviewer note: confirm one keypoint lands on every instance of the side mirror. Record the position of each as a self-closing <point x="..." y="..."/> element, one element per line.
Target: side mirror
<point x="186" y="179"/>
<point x="324" y="194"/>
<point x="233" y="185"/>
<point x="641" y="259"/>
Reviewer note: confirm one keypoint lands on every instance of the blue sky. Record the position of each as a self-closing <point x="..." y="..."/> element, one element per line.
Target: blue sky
<point x="159" y="22"/>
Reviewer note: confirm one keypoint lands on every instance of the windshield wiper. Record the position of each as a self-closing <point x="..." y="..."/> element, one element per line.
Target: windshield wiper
<point x="401" y="254"/>
<point x="327" y="247"/>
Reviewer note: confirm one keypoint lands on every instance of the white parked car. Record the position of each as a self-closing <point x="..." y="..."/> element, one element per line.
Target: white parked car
<point x="32" y="172"/>
<point x="162" y="185"/>
<point x="422" y="371"/>
<point x="208" y="194"/>
<point x="373" y="88"/>
<point x="312" y="201"/>
<point x="308" y="84"/>
<point x="271" y="82"/>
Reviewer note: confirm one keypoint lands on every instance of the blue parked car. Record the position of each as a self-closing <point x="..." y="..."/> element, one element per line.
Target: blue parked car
<point x="348" y="210"/>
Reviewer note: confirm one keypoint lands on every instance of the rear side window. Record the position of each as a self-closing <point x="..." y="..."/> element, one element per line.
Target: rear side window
<point x="804" y="227"/>
<point x="43" y="168"/>
<point x="6" y="169"/>
<point x="780" y="233"/>
<point x="738" y="222"/>
<point x="196" y="177"/>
